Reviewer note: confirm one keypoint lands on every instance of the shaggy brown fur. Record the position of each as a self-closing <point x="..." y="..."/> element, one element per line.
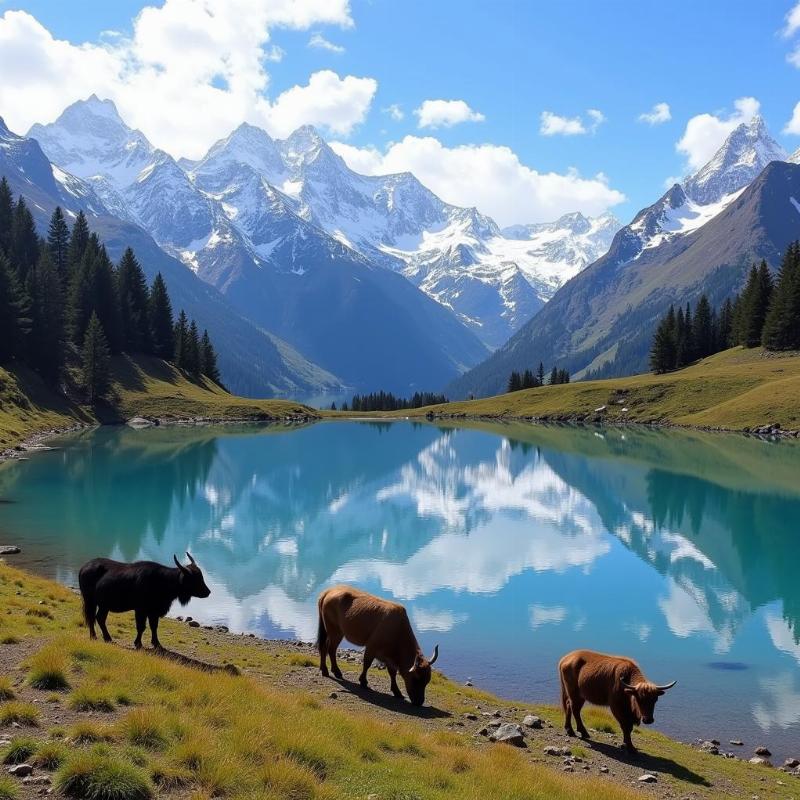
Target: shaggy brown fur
<point x="612" y="681"/>
<point x="382" y="628"/>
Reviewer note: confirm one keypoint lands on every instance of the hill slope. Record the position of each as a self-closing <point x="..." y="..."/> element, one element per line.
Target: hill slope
<point x="734" y="389"/>
<point x="142" y="386"/>
<point x="603" y="319"/>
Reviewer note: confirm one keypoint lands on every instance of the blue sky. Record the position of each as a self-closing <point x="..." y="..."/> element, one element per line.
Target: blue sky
<point x="509" y="62"/>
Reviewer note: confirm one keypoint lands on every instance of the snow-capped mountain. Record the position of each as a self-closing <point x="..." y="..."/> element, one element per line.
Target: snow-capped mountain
<point x="745" y="153"/>
<point x="238" y="222"/>
<point x="494" y="281"/>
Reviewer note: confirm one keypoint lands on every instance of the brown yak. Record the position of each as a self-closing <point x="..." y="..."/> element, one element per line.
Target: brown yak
<point x="611" y="681"/>
<point x="382" y="627"/>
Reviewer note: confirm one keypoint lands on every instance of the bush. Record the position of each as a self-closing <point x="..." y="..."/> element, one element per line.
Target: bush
<point x="6" y="689"/>
<point x="20" y="749"/>
<point x="8" y="789"/>
<point x="98" y="776"/>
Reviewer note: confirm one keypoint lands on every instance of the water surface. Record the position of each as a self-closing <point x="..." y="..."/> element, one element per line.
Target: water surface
<point x="510" y="545"/>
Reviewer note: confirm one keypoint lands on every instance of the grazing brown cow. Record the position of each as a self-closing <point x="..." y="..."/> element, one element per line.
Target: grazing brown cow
<point x="382" y="627"/>
<point x="610" y="681"/>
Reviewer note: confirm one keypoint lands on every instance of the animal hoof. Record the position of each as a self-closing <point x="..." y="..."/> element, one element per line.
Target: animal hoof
<point x="569" y="732"/>
<point x="137" y="645"/>
<point x="585" y="735"/>
<point x="338" y="673"/>
<point x="325" y="673"/>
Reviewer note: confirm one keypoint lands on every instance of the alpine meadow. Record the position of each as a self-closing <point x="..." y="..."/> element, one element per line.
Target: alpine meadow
<point x="399" y="401"/>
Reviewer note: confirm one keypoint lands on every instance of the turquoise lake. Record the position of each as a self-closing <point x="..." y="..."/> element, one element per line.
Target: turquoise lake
<point x="510" y="545"/>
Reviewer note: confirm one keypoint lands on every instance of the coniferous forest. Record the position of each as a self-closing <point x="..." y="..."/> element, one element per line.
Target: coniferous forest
<point x="64" y="303"/>
<point x="766" y="312"/>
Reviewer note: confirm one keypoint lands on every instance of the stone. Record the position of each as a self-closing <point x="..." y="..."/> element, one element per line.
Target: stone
<point x="737" y="742"/>
<point x="710" y="747"/>
<point x="508" y="733"/>
<point x="761" y="760"/>
<point x="467" y="682"/>
<point x="5" y="742"/>
<point x="20" y="770"/>
<point x="604" y="769"/>
<point x="791" y="763"/>
<point x="551" y="750"/>
<point x="193" y="623"/>
<point x="762" y="751"/>
<point x="139" y="422"/>
<point x="470" y="716"/>
<point x="531" y="721"/>
<point x="37" y="780"/>
<point x="333" y="695"/>
<point x="648" y="777"/>
<point x="9" y="550"/>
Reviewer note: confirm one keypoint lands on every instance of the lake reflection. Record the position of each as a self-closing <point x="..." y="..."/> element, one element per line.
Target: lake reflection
<point x="509" y="545"/>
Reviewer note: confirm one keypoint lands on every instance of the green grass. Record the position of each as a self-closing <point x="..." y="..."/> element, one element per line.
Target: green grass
<point x="50" y="755"/>
<point x="141" y="386"/>
<point x="8" y="788"/>
<point x="47" y="671"/>
<point x="88" y="698"/>
<point x="735" y="389"/>
<point x="22" y="713"/>
<point x="6" y="688"/>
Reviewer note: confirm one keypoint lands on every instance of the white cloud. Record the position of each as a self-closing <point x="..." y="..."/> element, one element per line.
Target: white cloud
<point x="394" y="111"/>
<point x="182" y="56"/>
<point x="490" y="177"/>
<point x="338" y="104"/>
<point x="546" y="615"/>
<point x="445" y="113"/>
<point x="793" y="125"/>
<point x="792" y="21"/>
<point x="657" y="115"/>
<point x="706" y="132"/>
<point x="320" y="42"/>
<point x="551" y="124"/>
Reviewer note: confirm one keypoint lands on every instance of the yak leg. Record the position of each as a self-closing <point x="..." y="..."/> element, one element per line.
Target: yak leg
<point x="576" y="706"/>
<point x="102" y="613"/>
<point x="626" y="738"/>
<point x="369" y="657"/>
<point x="393" y="676"/>
<point x="566" y="704"/>
<point x="141" y="623"/>
<point x="90" y="614"/>
<point x="334" y="640"/>
<point x="153" y="618"/>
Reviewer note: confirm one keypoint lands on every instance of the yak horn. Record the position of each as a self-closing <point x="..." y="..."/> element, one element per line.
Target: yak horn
<point x="435" y="655"/>
<point x="178" y="563"/>
<point x="626" y="684"/>
<point x="189" y="556"/>
<point x="666" y="686"/>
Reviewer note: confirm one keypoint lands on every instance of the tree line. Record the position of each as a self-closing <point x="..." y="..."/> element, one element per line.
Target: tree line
<point x="63" y="301"/>
<point x="530" y="380"/>
<point x="766" y="312"/>
<point x="386" y="401"/>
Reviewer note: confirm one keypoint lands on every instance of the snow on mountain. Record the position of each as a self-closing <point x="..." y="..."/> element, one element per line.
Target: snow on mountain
<point x="742" y="157"/>
<point x="794" y="158"/>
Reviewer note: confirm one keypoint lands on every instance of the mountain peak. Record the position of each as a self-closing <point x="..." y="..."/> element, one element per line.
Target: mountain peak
<point x="748" y="148"/>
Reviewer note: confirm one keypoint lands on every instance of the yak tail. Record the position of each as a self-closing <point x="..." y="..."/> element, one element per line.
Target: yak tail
<point x="89" y="609"/>
<point x="322" y="634"/>
<point x="564" y="697"/>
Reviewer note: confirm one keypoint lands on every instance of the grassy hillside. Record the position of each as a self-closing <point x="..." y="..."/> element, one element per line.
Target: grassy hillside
<point x="734" y="389"/>
<point x="106" y="721"/>
<point x="142" y="386"/>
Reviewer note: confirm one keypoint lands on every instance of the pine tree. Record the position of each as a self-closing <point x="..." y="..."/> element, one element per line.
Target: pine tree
<point x="554" y="376"/>
<point x="162" y="337"/>
<point x="753" y="305"/>
<point x="208" y="359"/>
<point x="193" y="349"/>
<point x="46" y="340"/>
<point x="703" y="330"/>
<point x="6" y="216"/>
<point x="12" y="320"/>
<point x="80" y="298"/>
<point x="724" y="331"/>
<point x="528" y="379"/>
<point x="663" y="354"/>
<point x="24" y="250"/>
<point x="540" y="374"/>
<point x="58" y="243"/>
<point x="78" y="241"/>
<point x="95" y="361"/>
<point x="514" y="382"/>
<point x="782" y="323"/>
<point x="180" y="355"/>
<point x="134" y="299"/>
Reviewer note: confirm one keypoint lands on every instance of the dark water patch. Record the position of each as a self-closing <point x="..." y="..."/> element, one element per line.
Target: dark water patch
<point x="728" y="666"/>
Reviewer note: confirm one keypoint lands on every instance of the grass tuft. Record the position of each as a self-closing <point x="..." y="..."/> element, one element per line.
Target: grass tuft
<point x="87" y="732"/>
<point x="21" y="713"/>
<point x="87" y="699"/>
<point x="50" y="755"/>
<point x="8" y="789"/>
<point x="142" y="727"/>
<point x="47" y="671"/>
<point x="20" y="750"/>
<point x="99" y="776"/>
<point x="6" y="688"/>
